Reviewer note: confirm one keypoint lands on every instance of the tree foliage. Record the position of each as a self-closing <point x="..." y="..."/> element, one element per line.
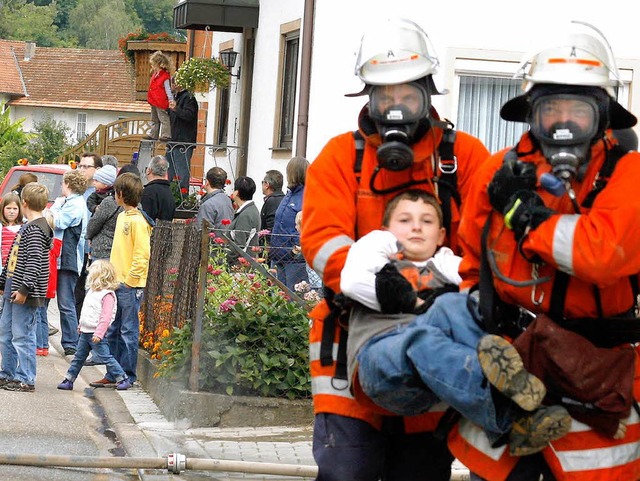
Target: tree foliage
<point x="49" y="140"/>
<point x="30" y="22"/>
<point x="82" y="23"/>
<point x="13" y="140"/>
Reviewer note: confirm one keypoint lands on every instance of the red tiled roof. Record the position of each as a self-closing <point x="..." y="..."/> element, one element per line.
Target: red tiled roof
<point x="78" y="78"/>
<point x="10" y="82"/>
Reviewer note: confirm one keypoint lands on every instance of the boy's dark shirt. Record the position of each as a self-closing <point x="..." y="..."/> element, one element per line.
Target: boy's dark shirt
<point x="27" y="269"/>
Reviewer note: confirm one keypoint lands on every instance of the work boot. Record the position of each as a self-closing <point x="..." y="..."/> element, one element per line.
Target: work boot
<point x="504" y="369"/>
<point x="533" y="432"/>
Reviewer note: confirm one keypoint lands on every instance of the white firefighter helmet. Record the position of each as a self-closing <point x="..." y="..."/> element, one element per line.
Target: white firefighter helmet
<point x="580" y="59"/>
<point x="394" y="52"/>
<point x="581" y="56"/>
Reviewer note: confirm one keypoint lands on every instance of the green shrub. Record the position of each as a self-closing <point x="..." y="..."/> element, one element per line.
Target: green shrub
<point x="254" y="339"/>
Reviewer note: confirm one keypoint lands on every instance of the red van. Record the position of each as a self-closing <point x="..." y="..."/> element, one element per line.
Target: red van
<point x="47" y="174"/>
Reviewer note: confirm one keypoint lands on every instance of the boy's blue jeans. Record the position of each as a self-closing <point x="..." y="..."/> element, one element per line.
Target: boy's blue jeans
<point x="18" y="342"/>
<point x="433" y="358"/>
<point x="100" y="349"/>
<point x="124" y="333"/>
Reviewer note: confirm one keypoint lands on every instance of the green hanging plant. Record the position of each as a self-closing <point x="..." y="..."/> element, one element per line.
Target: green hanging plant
<point x="202" y="75"/>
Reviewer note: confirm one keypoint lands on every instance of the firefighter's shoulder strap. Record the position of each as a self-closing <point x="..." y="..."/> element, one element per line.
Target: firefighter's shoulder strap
<point x="339" y="310"/>
<point x="447" y="177"/>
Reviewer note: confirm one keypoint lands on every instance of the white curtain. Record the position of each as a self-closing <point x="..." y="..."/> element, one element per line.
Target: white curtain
<point x="479" y="110"/>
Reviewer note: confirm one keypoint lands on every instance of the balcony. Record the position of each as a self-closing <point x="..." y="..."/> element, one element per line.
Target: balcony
<point x="216" y="15"/>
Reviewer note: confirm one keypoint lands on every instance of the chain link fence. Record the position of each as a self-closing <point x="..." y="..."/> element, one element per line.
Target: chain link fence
<point x="233" y="302"/>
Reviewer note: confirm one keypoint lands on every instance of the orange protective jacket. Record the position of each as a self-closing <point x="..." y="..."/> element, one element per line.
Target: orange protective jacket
<point x="600" y="249"/>
<point x="338" y="210"/>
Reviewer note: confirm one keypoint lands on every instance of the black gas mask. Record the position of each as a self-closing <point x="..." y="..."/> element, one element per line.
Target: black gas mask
<point x="398" y="111"/>
<point x="565" y="126"/>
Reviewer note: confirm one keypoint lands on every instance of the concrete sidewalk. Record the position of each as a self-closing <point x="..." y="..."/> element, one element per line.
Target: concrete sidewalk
<point x="143" y="431"/>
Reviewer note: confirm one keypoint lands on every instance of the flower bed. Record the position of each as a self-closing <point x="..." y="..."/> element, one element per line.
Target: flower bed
<point x="254" y="338"/>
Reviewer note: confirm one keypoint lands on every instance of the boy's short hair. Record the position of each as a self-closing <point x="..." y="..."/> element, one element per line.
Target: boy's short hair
<point x="36" y="196"/>
<point x="76" y="181"/>
<point x="245" y="186"/>
<point x="413" y="195"/>
<point x="129" y="187"/>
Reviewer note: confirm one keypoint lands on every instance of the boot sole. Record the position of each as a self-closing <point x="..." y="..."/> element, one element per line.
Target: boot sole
<point x="504" y="369"/>
<point x="548" y="424"/>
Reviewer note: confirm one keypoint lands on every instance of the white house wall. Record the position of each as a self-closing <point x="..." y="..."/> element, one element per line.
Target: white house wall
<point x="498" y="25"/>
<point x="68" y="116"/>
<point x="229" y="162"/>
<point x="273" y="14"/>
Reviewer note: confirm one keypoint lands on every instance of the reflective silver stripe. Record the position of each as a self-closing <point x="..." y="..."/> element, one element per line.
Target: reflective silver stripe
<point x="327" y="250"/>
<point x="599" y="458"/>
<point x="330" y="385"/>
<point x="476" y="437"/>
<point x="563" y="242"/>
<point x="314" y="351"/>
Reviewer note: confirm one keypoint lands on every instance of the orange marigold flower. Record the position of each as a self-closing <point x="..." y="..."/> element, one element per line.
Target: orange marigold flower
<point x="165" y="333"/>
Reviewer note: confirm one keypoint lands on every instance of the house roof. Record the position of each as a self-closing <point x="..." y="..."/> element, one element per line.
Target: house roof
<point x="71" y="78"/>
<point x="10" y="81"/>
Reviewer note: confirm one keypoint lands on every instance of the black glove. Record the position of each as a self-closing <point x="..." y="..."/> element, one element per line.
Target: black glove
<point x="512" y="177"/>
<point x="430" y="295"/>
<point x="525" y="211"/>
<point x="395" y="293"/>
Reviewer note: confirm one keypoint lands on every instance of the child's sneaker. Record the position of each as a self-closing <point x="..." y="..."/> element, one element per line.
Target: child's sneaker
<point x="533" y="432"/>
<point x="504" y="369"/>
<point x="124" y="384"/>
<point x="66" y="385"/>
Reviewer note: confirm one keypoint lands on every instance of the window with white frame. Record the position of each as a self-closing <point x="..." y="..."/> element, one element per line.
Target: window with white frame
<point x="81" y="126"/>
<point x="289" y="78"/>
<point x="483" y="85"/>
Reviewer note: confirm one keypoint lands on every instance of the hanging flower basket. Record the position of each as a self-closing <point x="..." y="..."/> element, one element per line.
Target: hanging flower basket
<point x="202" y="87"/>
<point x="202" y="75"/>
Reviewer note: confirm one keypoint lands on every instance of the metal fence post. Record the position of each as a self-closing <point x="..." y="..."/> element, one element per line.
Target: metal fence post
<point x="194" y="375"/>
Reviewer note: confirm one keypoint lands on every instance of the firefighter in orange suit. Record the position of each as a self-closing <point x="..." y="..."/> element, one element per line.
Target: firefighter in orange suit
<point x="554" y="221"/>
<point x="402" y="145"/>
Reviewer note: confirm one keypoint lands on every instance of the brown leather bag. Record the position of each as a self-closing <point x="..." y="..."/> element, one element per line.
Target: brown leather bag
<point x="595" y="384"/>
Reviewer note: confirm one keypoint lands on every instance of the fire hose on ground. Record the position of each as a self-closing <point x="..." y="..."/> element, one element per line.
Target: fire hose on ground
<point x="174" y="463"/>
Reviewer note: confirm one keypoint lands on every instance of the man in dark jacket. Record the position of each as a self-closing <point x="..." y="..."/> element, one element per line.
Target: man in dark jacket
<point x="157" y="200"/>
<point x="273" y="195"/>
<point x="183" y="113"/>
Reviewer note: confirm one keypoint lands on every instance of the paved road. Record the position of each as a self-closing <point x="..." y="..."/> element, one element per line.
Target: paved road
<point x="108" y="423"/>
<point x="50" y="421"/>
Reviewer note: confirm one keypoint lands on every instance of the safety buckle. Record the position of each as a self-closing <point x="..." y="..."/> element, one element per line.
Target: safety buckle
<point x="448" y="166"/>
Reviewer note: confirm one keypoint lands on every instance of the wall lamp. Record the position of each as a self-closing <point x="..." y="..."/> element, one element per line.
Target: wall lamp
<point x="228" y="59"/>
